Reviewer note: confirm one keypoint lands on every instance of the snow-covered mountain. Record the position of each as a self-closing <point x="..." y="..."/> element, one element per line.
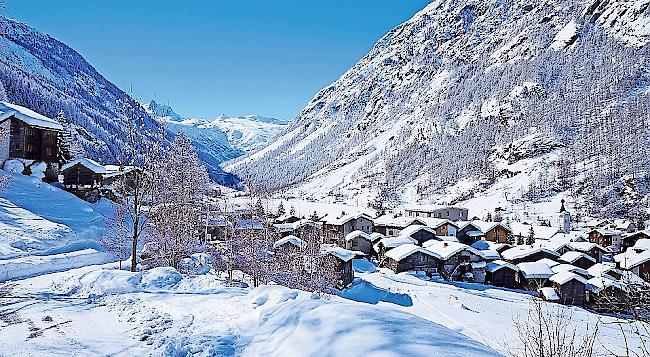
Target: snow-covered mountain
<point x="43" y="74"/>
<point x="549" y="96"/>
<point x="223" y="137"/>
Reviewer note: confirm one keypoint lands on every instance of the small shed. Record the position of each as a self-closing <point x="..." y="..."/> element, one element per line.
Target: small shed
<point x="386" y="244"/>
<point x="289" y="244"/>
<point x="571" y="288"/>
<point x="548" y="294"/>
<point x="410" y="257"/>
<point x="502" y="274"/>
<point x="82" y="174"/>
<point x="344" y="271"/>
<point x="594" y="250"/>
<point x="579" y="259"/>
<point x="458" y="261"/>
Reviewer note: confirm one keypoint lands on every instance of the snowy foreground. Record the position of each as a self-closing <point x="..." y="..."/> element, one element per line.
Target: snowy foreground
<point x="95" y="311"/>
<point x="99" y="310"/>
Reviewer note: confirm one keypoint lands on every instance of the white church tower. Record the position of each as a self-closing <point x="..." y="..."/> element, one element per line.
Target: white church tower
<point x="564" y="220"/>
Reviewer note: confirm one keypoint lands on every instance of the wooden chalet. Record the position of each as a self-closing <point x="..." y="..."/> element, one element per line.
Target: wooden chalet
<point x="571" y="288"/>
<point x="629" y="240"/>
<point x="594" y="250"/>
<point x="410" y="257"/>
<point x="493" y="231"/>
<point x="578" y="259"/>
<point x="458" y="262"/>
<point x="502" y="274"/>
<point x="390" y="225"/>
<point x="533" y="275"/>
<point x="342" y="260"/>
<point x="289" y="245"/>
<point x="359" y="241"/>
<point x="526" y="254"/>
<point x="420" y="233"/>
<point x="83" y="177"/>
<point x="606" y="238"/>
<point x="635" y="260"/>
<point x="32" y="136"/>
<point x="469" y="233"/>
<point x="335" y="229"/>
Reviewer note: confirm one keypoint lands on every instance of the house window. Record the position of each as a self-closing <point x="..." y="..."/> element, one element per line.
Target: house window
<point x="447" y="213"/>
<point x="48" y="151"/>
<point x="30" y="147"/>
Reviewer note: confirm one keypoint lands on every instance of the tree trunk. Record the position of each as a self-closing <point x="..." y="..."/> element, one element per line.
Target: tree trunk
<point x="134" y="245"/>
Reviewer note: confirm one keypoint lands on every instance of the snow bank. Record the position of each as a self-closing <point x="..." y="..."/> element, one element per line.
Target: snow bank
<point x="29" y="266"/>
<point x="322" y="328"/>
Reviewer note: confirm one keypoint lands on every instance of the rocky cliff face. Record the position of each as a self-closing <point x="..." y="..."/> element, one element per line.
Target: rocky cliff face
<point x="431" y="103"/>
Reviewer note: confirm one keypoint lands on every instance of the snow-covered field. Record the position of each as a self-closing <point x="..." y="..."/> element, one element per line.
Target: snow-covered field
<point x="98" y="310"/>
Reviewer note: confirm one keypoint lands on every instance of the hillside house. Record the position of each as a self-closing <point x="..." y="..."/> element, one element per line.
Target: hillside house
<point x="606" y="238"/>
<point x="342" y="261"/>
<point x="443" y="227"/>
<point x="606" y="294"/>
<point x="298" y="228"/>
<point x="335" y="229"/>
<point x="469" y="233"/>
<point x="83" y="177"/>
<point x="533" y="275"/>
<point x="570" y="287"/>
<point x="410" y="257"/>
<point x="359" y="241"/>
<point x="502" y="274"/>
<point x="493" y="231"/>
<point x="458" y="262"/>
<point x="630" y="239"/>
<point x="390" y="225"/>
<point x="594" y="250"/>
<point x="289" y="245"/>
<point x="420" y="233"/>
<point x="578" y="259"/>
<point x="386" y="244"/>
<point x="636" y="261"/>
<point x="30" y="136"/>
<point x="624" y="226"/>
<point x="434" y="211"/>
<point x="526" y="254"/>
<point x="287" y="218"/>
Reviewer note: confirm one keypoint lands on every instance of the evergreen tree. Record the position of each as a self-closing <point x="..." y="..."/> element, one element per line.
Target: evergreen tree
<point x="68" y="147"/>
<point x="281" y="210"/>
<point x="530" y="240"/>
<point x="292" y="211"/>
<point x="520" y="240"/>
<point x="259" y="208"/>
<point x="314" y="217"/>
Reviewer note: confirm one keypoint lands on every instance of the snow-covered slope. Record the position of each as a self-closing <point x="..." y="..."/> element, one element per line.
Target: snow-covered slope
<point x="434" y="99"/>
<point x="223" y="137"/>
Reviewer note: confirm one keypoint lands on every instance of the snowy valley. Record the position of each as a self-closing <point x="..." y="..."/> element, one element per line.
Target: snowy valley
<point x="478" y="184"/>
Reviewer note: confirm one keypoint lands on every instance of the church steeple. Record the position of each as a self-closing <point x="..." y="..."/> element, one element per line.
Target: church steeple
<point x="562" y="209"/>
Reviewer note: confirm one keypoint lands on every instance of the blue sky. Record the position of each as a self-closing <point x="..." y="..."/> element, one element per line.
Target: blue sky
<point x="208" y="57"/>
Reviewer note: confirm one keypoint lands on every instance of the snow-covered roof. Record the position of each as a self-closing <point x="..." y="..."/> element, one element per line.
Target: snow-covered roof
<point x="490" y="254"/>
<point x="286" y="216"/>
<point x="411" y="230"/>
<point x="631" y="259"/>
<point x="446" y="250"/>
<point x="499" y="264"/>
<point x="27" y="116"/>
<point x="535" y="270"/>
<point x="571" y="257"/>
<point x="585" y="246"/>
<point x="342" y="253"/>
<point x="549" y="294"/>
<point x="88" y="163"/>
<point x="568" y="267"/>
<point x="375" y="236"/>
<point x="393" y="242"/>
<point x="488" y="226"/>
<point x="406" y="250"/>
<point x="117" y="170"/>
<point x="437" y="222"/>
<point x="622" y="224"/>
<point x="601" y="269"/>
<point x="289" y="240"/>
<point x="248" y="224"/>
<point x="555" y="244"/>
<point x="475" y="234"/>
<point x="289" y="227"/>
<point x="606" y="232"/>
<point x="339" y="221"/>
<point x="486" y="245"/>
<point x="600" y="283"/>
<point x="573" y="236"/>
<point x="447" y="238"/>
<point x="642" y="244"/>
<point x="355" y="234"/>
<point x="520" y="252"/>
<point x="541" y="232"/>
<point x="400" y="221"/>
<point x="430" y="208"/>
<point x="564" y="277"/>
<point x="551" y="263"/>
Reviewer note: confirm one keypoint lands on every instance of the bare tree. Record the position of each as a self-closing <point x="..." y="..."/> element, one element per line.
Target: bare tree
<point x="119" y="235"/>
<point x="547" y="332"/>
<point x="181" y="188"/>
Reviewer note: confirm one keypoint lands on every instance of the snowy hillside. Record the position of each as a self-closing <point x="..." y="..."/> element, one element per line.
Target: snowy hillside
<point x="468" y="94"/>
<point x="45" y="75"/>
<point x="223" y="137"/>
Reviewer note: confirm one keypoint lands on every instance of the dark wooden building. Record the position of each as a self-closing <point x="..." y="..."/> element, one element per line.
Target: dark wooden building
<point x="571" y="288"/>
<point x="525" y="254"/>
<point x="578" y="259"/>
<point x="82" y="174"/>
<point x="469" y="233"/>
<point x="410" y="257"/>
<point x="606" y="238"/>
<point x="501" y="274"/>
<point x="32" y="136"/>
<point x="420" y="233"/>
